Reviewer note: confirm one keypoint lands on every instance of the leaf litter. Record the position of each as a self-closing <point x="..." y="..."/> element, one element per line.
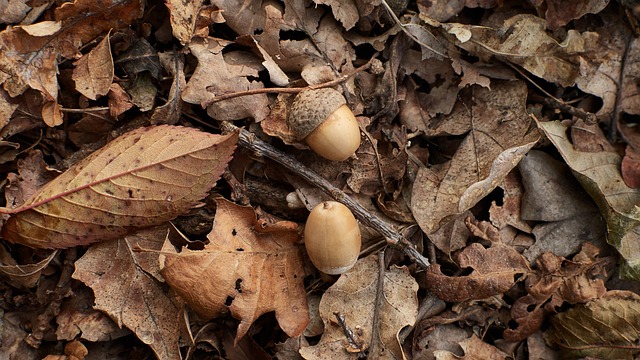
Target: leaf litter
<point x="499" y="145"/>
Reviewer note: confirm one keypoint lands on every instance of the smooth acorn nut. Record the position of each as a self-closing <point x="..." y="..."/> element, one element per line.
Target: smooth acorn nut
<point x="332" y="238"/>
<point x="322" y="118"/>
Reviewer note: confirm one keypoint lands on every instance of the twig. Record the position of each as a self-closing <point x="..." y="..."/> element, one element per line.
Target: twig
<point x="355" y="346"/>
<point x="552" y="101"/>
<point x="251" y="142"/>
<point x="374" y="347"/>
<point x="403" y="27"/>
<point x="296" y="90"/>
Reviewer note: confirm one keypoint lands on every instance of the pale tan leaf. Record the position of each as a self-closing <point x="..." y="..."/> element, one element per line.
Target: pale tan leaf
<point x="254" y="264"/>
<point x="220" y="73"/>
<point x="94" y="71"/>
<point x="523" y="40"/>
<point x="142" y="178"/>
<point x="184" y="18"/>
<point x="126" y="290"/>
<point x="599" y="174"/>
<point x="474" y="349"/>
<point x="354" y="297"/>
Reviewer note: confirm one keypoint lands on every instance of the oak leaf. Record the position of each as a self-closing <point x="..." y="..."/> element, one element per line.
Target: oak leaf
<point x="253" y="264"/>
<point x="555" y="281"/>
<point x="143" y="178"/>
<point x="354" y="297"/>
<point x="494" y="272"/>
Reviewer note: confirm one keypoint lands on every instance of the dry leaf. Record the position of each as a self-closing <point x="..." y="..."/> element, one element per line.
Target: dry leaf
<point x="606" y="328"/>
<point x="28" y="54"/>
<point x="559" y="13"/>
<point x="474" y="349"/>
<point x="127" y="288"/>
<point x="143" y="178"/>
<point x="610" y="69"/>
<point x="184" y="19"/>
<point x="495" y="270"/>
<point x="220" y="73"/>
<point x="498" y="138"/>
<point x="354" y="297"/>
<point x="170" y="112"/>
<point x="78" y="319"/>
<point x="599" y="174"/>
<point x="557" y="280"/>
<point x="250" y="268"/>
<point x="94" y="71"/>
<point x="567" y="216"/>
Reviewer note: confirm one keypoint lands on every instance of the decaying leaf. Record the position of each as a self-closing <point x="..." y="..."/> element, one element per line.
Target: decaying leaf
<point x="495" y="270"/>
<point x="28" y="54"/>
<point x="128" y="288"/>
<point x="523" y="40"/>
<point x="599" y="174"/>
<point x="220" y="73"/>
<point x="558" y="13"/>
<point x="94" y="71"/>
<point x="250" y="267"/>
<point x="567" y="216"/>
<point x="607" y="328"/>
<point x="354" y="297"/>
<point x="557" y="280"/>
<point x="499" y="136"/>
<point x="186" y="19"/>
<point x="474" y="349"/>
<point x="143" y="178"/>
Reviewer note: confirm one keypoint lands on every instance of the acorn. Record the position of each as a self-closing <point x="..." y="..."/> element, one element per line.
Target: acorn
<point x="332" y="238"/>
<point x="323" y="120"/>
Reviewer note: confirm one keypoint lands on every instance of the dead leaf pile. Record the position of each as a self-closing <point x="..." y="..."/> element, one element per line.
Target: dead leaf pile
<point x="499" y="140"/>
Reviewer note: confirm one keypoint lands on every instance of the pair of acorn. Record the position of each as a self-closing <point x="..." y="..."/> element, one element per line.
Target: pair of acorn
<point x="323" y="120"/>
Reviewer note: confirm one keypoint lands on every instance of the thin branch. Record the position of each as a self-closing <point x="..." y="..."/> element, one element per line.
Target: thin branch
<point x="374" y="347"/>
<point x="407" y="32"/>
<point x="552" y="101"/>
<point x="331" y="83"/>
<point x="355" y="345"/>
<point x="249" y="141"/>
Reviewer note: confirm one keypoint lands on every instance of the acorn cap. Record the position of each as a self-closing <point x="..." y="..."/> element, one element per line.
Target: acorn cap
<point x="310" y="108"/>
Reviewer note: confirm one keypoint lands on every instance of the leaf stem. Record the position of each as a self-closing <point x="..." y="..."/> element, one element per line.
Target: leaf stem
<point x="249" y="141"/>
<point x="295" y="90"/>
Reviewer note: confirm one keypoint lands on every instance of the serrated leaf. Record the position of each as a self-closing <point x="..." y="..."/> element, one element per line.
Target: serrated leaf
<point x="142" y="178"/>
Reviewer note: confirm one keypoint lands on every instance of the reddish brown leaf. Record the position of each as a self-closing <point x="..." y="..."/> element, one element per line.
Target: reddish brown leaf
<point x="255" y="265"/>
<point x="494" y="273"/>
<point x="143" y="178"/>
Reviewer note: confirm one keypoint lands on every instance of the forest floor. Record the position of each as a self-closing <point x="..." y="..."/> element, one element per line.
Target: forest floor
<point x="155" y="186"/>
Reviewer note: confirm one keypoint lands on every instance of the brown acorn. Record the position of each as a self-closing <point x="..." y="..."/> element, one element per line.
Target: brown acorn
<point x="324" y="121"/>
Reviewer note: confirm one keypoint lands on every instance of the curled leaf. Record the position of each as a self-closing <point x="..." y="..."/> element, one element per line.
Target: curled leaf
<point x="143" y="178"/>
